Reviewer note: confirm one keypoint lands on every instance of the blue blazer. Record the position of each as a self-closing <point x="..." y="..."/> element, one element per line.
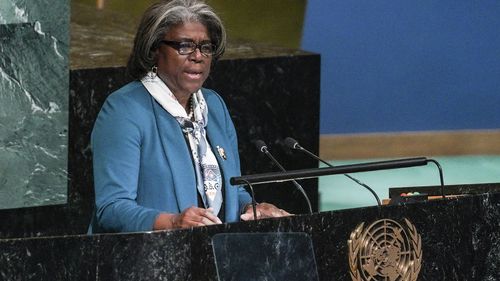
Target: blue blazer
<point x="142" y="163"/>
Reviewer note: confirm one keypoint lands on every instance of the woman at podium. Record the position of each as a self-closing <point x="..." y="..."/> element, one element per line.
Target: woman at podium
<point x="164" y="148"/>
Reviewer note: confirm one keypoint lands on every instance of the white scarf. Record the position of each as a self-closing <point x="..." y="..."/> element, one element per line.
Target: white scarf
<point x="208" y="175"/>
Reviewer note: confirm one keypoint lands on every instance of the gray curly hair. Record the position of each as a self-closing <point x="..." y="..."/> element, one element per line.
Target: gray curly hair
<point x="157" y="21"/>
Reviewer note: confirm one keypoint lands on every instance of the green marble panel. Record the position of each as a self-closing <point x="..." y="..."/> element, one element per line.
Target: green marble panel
<point x="34" y="87"/>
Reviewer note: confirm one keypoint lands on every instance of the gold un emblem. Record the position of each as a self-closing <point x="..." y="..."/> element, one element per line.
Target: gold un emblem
<point x="386" y="251"/>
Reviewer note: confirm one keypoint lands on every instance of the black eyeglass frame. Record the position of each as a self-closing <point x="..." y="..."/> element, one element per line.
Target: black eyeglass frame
<point x="178" y="46"/>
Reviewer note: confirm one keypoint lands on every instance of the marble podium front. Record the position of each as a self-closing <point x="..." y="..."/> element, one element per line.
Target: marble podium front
<point x="460" y="241"/>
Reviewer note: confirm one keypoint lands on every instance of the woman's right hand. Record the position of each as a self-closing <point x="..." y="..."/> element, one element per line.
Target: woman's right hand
<point x="190" y="217"/>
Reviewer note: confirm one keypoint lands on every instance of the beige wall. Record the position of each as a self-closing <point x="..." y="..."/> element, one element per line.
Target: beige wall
<point x="364" y="146"/>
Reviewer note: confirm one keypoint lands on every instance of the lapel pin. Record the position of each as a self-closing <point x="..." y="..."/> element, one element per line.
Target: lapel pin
<point x="222" y="153"/>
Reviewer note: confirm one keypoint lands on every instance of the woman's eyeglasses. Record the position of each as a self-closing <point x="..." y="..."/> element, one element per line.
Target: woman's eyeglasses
<point x="188" y="47"/>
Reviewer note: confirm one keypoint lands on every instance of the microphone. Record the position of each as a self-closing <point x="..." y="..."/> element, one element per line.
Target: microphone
<point x="293" y="144"/>
<point x="262" y="147"/>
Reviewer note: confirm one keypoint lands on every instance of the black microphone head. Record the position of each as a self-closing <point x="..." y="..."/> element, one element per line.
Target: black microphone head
<point x="261" y="145"/>
<point x="292" y="143"/>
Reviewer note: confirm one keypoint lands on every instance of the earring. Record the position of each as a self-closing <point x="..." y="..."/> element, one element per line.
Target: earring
<point x="153" y="72"/>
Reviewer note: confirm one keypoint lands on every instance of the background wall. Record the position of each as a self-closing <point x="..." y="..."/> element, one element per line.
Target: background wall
<point x="392" y="66"/>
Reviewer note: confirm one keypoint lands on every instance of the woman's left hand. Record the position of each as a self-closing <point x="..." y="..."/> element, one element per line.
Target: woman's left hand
<point x="264" y="210"/>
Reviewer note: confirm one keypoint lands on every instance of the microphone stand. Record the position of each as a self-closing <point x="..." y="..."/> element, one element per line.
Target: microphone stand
<point x="317" y="172"/>
<point x="441" y="177"/>
<point x="254" y="204"/>
<point x="261" y="145"/>
<point x="297" y="146"/>
<point x="293" y="144"/>
<point x="354" y="168"/>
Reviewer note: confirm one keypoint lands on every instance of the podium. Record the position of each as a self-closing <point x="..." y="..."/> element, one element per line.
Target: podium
<point x="264" y="256"/>
<point x="459" y="240"/>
